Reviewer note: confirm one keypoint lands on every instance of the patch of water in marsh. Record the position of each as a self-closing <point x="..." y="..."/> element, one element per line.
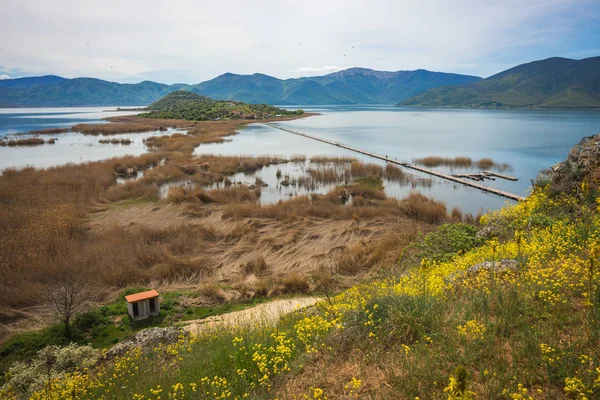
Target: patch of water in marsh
<point x="73" y="147"/>
<point x="280" y="182"/>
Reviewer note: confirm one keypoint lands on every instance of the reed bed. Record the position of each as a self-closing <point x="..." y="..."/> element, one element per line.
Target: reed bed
<point x="327" y="175"/>
<point x="359" y="169"/>
<point x="331" y="159"/>
<point x="462" y="162"/>
<point x="115" y="129"/>
<point x="23" y="142"/>
<point x="115" y="141"/>
<point x="49" y="131"/>
<point x="298" y="158"/>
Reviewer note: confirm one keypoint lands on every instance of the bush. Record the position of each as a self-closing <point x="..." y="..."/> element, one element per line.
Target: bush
<point x="421" y="208"/>
<point x="443" y="244"/>
<point x="52" y="362"/>
<point x="296" y="283"/>
<point x="257" y="266"/>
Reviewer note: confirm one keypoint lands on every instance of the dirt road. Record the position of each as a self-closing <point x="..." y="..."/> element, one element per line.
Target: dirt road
<point x="263" y="314"/>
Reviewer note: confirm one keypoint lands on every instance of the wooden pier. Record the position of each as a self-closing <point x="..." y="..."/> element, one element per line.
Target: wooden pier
<point x="451" y="178"/>
<point x="508" y="178"/>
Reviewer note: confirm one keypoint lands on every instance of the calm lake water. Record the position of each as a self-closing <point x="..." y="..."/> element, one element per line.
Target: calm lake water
<point x="14" y="120"/>
<point x="70" y="147"/>
<point x="529" y="141"/>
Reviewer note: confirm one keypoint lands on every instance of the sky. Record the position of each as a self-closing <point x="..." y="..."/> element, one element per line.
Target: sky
<point x="190" y="41"/>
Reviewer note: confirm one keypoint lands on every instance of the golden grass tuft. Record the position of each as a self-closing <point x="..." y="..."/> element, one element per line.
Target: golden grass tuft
<point x="24" y="142"/>
<point x="462" y="162"/>
<point x="423" y="209"/>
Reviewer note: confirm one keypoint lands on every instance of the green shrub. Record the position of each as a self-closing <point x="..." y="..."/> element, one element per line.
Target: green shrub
<point x="443" y="244"/>
<point x="50" y="363"/>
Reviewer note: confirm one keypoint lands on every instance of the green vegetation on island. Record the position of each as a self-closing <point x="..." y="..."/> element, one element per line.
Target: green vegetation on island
<point x="551" y="83"/>
<point x="183" y="104"/>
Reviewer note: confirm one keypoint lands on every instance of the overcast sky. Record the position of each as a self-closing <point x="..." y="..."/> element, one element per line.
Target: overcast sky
<point x="191" y="41"/>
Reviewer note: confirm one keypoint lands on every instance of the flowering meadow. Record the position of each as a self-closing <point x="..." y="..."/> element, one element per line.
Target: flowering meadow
<point x="469" y="326"/>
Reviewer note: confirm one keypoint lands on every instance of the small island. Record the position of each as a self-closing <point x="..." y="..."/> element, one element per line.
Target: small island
<point x="183" y="104"/>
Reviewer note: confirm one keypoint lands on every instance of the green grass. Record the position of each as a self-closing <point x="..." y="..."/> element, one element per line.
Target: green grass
<point x="109" y="324"/>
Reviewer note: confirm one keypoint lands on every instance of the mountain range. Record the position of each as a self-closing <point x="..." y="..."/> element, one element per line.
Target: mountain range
<point x="552" y="83"/>
<point x="351" y="86"/>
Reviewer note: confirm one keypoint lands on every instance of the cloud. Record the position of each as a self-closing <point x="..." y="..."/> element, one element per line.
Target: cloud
<point x="315" y="70"/>
<point x="190" y="41"/>
<point x="4" y="76"/>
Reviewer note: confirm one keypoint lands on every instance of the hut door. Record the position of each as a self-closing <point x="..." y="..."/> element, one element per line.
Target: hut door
<point x="136" y="311"/>
<point x="152" y="305"/>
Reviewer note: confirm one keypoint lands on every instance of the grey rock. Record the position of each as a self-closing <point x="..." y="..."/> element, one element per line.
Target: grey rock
<point x="497" y="266"/>
<point x="145" y="339"/>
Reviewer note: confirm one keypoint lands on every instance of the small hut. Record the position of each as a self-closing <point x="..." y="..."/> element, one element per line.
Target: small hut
<point x="142" y="305"/>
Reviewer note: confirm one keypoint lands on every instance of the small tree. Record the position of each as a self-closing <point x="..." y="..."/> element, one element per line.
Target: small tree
<point x="69" y="289"/>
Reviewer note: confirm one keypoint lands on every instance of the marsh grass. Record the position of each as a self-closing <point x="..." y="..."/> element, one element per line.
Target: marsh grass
<point x="331" y="159"/>
<point x="115" y="141"/>
<point x="49" y="131"/>
<point x="462" y="162"/>
<point x="23" y="142"/>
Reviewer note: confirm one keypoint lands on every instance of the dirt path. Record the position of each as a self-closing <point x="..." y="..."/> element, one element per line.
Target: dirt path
<point x="263" y="314"/>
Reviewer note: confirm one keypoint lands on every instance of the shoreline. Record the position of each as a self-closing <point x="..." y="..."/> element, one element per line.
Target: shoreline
<point x="594" y="109"/>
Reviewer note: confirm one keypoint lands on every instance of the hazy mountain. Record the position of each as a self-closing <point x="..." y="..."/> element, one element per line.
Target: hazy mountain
<point x="551" y="83"/>
<point x="352" y="86"/>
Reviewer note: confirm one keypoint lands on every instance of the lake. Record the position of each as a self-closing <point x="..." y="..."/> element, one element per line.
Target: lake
<point x="70" y="147"/>
<point x="14" y="120"/>
<point x="529" y="141"/>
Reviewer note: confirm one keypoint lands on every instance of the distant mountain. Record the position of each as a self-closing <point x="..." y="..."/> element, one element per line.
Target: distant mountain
<point x="352" y="86"/>
<point x="551" y="83"/>
<point x="59" y="92"/>
<point x="25" y="83"/>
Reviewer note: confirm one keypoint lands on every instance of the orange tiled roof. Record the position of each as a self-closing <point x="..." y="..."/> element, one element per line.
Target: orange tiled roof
<point x="142" y="296"/>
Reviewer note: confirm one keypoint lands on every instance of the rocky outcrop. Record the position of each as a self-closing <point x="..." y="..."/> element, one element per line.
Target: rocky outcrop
<point x="582" y="163"/>
<point x="146" y="339"/>
<point x="498" y="266"/>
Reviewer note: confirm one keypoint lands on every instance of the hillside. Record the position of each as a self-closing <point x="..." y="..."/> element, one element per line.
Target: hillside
<point x="183" y="104"/>
<point x="509" y="309"/>
<point x="60" y="92"/>
<point x="353" y="86"/>
<point x="551" y="83"/>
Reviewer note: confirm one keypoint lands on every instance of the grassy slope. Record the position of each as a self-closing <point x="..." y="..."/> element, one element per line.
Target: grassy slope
<point x="551" y="83"/>
<point x="440" y="331"/>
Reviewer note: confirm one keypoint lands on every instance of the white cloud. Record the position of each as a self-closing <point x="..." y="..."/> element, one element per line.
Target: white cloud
<point x="190" y="40"/>
<point x="315" y="70"/>
<point x="4" y="76"/>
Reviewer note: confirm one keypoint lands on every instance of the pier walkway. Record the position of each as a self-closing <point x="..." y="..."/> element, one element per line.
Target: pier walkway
<point x="451" y="178"/>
